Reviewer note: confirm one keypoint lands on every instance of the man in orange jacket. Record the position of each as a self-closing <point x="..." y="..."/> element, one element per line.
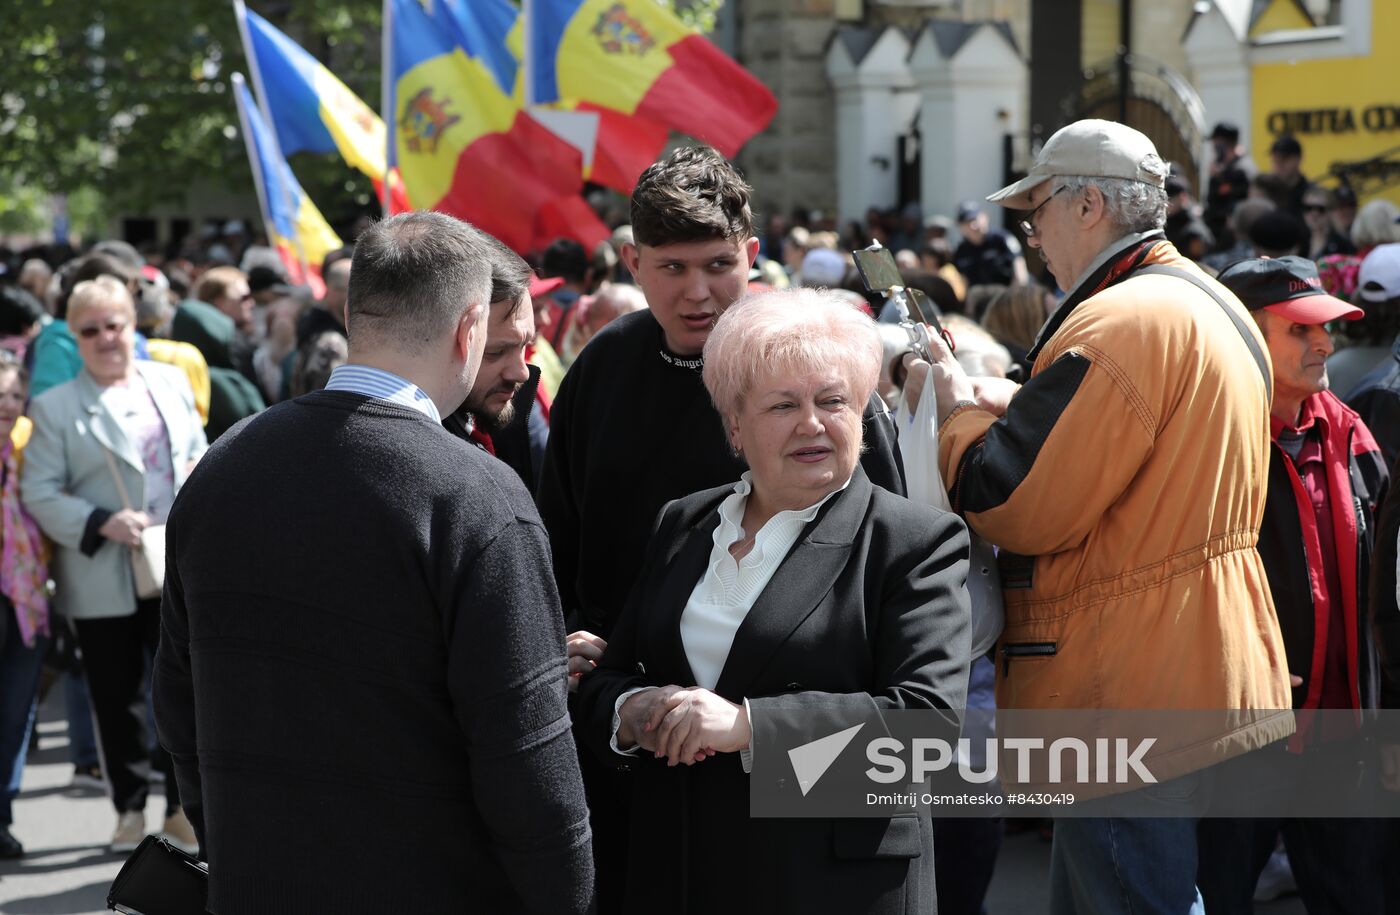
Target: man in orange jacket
<point x="1124" y="485"/>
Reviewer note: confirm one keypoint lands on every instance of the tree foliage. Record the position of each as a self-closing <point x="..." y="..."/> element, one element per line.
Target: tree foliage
<point x="130" y="98"/>
<point x="127" y="97"/>
<point x="698" y="14"/>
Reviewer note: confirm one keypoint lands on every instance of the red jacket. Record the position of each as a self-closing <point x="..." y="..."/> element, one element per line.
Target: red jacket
<point x="1357" y="480"/>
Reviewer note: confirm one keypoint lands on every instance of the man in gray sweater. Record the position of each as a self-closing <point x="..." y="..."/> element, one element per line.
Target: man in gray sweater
<point x="361" y="677"/>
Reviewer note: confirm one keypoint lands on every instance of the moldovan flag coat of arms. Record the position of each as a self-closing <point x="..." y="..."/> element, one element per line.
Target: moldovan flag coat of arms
<point x="310" y="108"/>
<point x="637" y="58"/>
<point x="622" y="145"/>
<point x="464" y="145"/>
<point x="295" y="227"/>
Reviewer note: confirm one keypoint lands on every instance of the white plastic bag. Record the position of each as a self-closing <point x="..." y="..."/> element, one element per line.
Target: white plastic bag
<point x="918" y="443"/>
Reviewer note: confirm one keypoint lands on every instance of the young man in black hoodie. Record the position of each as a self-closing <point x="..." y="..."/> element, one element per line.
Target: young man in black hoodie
<point x="633" y="428"/>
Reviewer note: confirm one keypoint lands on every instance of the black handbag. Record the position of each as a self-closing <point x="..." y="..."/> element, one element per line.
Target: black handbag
<point x="160" y="879"/>
<point x="63" y="654"/>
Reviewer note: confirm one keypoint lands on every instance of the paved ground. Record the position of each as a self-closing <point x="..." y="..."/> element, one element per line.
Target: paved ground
<point x="68" y="868"/>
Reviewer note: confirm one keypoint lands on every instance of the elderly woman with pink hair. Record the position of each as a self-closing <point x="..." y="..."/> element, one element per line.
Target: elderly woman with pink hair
<point x="801" y="584"/>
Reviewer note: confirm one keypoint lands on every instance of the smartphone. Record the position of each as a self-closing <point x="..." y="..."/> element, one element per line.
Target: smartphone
<point x="879" y="273"/>
<point x="877" y="268"/>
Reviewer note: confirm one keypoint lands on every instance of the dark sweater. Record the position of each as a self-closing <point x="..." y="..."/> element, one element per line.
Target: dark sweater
<point x="629" y="432"/>
<point x="361" y="628"/>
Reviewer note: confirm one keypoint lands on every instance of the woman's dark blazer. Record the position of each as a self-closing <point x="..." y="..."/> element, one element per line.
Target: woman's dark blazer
<point x="868" y="611"/>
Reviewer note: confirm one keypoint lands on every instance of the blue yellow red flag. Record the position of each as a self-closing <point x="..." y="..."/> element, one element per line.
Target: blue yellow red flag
<point x="308" y="106"/>
<point x="461" y="142"/>
<point x="295" y="227"/>
<point x="636" y="58"/>
<point x="484" y="30"/>
<point x="616" y="147"/>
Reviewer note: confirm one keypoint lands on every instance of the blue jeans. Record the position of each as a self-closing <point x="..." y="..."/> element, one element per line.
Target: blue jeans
<point x="19" y="683"/>
<point x="1101" y="866"/>
<point x="1121" y="866"/>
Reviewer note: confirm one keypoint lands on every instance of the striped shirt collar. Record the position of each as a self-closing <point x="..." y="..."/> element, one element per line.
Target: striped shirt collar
<point x="373" y="382"/>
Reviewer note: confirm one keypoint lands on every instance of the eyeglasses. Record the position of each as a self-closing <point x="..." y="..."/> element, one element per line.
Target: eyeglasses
<point x="91" y="331"/>
<point x="1027" y="225"/>
<point x="1315" y="207"/>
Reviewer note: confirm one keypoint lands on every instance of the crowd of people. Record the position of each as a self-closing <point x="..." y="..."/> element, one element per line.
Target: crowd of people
<point x="516" y="560"/>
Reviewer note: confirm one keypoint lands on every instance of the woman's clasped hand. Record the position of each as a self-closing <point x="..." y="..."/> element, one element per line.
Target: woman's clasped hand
<point x="683" y="725"/>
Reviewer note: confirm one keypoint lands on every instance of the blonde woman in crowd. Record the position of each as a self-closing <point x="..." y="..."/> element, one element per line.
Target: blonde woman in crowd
<point x="110" y="450"/>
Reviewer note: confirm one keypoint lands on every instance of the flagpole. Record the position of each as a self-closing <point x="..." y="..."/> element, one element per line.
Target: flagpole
<point x="240" y="12"/>
<point x="527" y="80"/>
<point x="386" y="104"/>
<point x="259" y="180"/>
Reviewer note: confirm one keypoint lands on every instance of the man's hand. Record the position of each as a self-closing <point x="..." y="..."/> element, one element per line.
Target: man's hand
<point x="951" y="384"/>
<point x="698" y="724"/>
<point x="125" y="527"/>
<point x="583" y="650"/>
<point x="994" y="394"/>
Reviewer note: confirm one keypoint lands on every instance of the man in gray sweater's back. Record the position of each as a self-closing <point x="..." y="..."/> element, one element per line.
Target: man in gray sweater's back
<point x="361" y="674"/>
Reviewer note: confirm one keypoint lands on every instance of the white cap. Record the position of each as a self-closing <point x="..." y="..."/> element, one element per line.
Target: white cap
<point x="1379" y="279"/>
<point x="1088" y="149"/>
<point x="823" y="267"/>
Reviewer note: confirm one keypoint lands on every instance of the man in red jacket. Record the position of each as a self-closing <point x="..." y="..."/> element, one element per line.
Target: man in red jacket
<point x="1326" y="479"/>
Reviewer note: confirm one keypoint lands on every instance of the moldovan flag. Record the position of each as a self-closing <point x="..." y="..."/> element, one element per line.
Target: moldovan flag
<point x="294" y="226"/>
<point x="463" y="145"/>
<point x="636" y="58"/>
<point x="618" y="146"/>
<point x="312" y="110"/>
<point x="626" y="145"/>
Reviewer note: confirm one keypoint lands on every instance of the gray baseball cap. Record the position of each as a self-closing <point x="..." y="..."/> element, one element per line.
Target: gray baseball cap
<point x="1090" y="149"/>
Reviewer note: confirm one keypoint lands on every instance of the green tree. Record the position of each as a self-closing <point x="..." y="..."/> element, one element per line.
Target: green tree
<point x="130" y="100"/>
<point x="698" y="14"/>
<point x="131" y="97"/>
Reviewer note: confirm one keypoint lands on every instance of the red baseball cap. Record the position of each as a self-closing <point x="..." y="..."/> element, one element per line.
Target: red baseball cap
<point x="1287" y="286"/>
<point x="544" y="287"/>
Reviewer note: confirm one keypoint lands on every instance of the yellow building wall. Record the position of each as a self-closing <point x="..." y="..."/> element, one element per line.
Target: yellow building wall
<point x="1341" y="110"/>
<point x="849" y="9"/>
<point x="1282" y="16"/>
<point x="1098" y="32"/>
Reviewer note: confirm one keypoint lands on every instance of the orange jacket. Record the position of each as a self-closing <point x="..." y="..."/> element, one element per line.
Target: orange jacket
<point x="1125" y="487"/>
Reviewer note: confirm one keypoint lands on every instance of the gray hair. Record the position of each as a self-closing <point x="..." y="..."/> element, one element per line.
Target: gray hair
<point x="624" y="297"/>
<point x="318" y="357"/>
<point x="414" y="275"/>
<point x="1375" y="224"/>
<point x="1132" y="206"/>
